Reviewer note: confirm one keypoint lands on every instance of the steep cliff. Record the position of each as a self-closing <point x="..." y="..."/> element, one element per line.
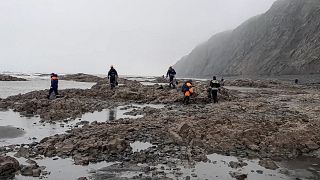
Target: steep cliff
<point x="284" y="40"/>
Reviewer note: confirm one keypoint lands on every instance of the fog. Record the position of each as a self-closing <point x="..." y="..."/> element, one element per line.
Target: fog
<point x="138" y="37"/>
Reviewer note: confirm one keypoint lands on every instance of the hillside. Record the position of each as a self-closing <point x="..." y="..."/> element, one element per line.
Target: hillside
<point x="283" y="41"/>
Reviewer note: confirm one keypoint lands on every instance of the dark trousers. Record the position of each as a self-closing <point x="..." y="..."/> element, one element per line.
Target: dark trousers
<point x="53" y="89"/>
<point x="214" y="95"/>
<point x="171" y="82"/>
<point x="113" y="82"/>
<point x="186" y="100"/>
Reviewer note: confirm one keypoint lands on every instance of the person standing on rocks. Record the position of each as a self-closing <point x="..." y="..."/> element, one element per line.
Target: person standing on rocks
<point x="213" y="89"/>
<point x="112" y="76"/>
<point x="171" y="73"/>
<point x="188" y="91"/>
<point x="222" y="82"/>
<point x="54" y="86"/>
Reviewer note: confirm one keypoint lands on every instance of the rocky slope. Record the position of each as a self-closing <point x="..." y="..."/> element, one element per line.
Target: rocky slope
<point x="284" y="40"/>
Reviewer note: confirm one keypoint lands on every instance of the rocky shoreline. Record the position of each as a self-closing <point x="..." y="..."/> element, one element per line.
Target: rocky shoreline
<point x="270" y="121"/>
<point x="80" y="77"/>
<point x="4" y="77"/>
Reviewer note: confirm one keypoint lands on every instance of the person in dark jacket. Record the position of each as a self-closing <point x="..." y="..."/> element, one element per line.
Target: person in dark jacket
<point x="213" y="89"/>
<point x="171" y="73"/>
<point x="54" y="84"/>
<point x="112" y="76"/>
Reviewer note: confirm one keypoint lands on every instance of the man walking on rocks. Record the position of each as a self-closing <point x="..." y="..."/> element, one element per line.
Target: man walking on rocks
<point x="54" y="86"/>
<point x="171" y="73"/>
<point x="112" y="76"/>
<point x="213" y="89"/>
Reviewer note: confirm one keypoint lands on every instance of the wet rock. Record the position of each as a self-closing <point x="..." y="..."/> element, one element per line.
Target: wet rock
<point x="284" y="171"/>
<point x="23" y="152"/>
<point x="29" y="161"/>
<point x="253" y="147"/>
<point x="176" y="137"/>
<point x="10" y="78"/>
<point x="117" y="145"/>
<point x="311" y="145"/>
<point x="237" y="165"/>
<point x="238" y="175"/>
<point x="186" y="132"/>
<point x="259" y="171"/>
<point x="268" y="164"/>
<point x="80" y="77"/>
<point x="36" y="172"/>
<point x="81" y="160"/>
<point x="26" y="170"/>
<point x="8" y="166"/>
<point x="194" y="175"/>
<point x="82" y="178"/>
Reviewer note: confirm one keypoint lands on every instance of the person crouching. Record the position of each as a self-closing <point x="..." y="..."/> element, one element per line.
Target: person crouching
<point x="187" y="89"/>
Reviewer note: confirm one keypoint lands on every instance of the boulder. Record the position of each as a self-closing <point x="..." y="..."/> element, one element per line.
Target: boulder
<point x="8" y="166"/>
<point x="268" y="164"/>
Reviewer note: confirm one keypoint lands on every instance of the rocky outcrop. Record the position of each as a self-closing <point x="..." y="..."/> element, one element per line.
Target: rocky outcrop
<point x="80" y="77"/>
<point x="284" y="40"/>
<point x="72" y="103"/>
<point x="8" y="167"/>
<point x="10" y="78"/>
<point x="265" y="122"/>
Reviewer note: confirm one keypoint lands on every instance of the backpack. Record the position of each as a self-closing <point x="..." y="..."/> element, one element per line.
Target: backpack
<point x="185" y="88"/>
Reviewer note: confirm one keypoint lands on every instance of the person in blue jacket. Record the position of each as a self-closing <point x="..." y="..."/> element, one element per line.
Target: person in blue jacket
<point x="54" y="84"/>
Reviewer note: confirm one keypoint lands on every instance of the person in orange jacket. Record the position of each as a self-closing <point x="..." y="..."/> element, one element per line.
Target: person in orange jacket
<point x="187" y="90"/>
<point x="54" y="85"/>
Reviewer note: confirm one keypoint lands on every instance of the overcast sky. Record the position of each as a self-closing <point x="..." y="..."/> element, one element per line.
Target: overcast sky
<point x="139" y="37"/>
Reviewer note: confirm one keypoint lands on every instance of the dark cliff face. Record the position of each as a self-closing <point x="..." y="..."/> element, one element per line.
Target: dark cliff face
<point x="285" y="40"/>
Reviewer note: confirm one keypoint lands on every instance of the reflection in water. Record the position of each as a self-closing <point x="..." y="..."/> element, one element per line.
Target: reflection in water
<point x="140" y="146"/>
<point x="113" y="114"/>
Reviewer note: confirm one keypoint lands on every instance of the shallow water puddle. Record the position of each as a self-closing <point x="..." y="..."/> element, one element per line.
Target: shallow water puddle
<point x="218" y="168"/>
<point x="10" y="132"/>
<point x="62" y="168"/>
<point x="10" y="88"/>
<point x="303" y="167"/>
<point x="116" y="113"/>
<point x="141" y="79"/>
<point x="35" y="131"/>
<point x="153" y="83"/>
<point x="140" y="146"/>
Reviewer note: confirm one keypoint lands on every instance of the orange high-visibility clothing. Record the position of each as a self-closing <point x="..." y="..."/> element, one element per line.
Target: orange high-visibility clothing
<point x="190" y="91"/>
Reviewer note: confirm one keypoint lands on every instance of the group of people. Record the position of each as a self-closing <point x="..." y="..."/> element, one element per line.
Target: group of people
<point x="187" y="87"/>
<point x="53" y="91"/>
